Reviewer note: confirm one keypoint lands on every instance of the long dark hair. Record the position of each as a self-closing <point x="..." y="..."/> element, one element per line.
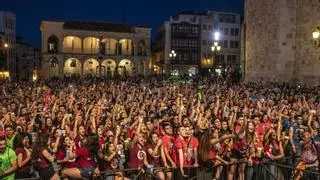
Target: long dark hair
<point x="39" y="146"/>
<point x="18" y="140"/>
<point x="205" y="146"/>
<point x="92" y="144"/>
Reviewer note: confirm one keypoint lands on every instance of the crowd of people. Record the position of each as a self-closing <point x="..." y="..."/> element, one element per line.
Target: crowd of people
<point x="84" y="128"/>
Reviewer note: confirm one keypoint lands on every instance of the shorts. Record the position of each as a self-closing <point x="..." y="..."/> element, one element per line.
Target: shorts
<point x="86" y="172"/>
<point x="46" y="173"/>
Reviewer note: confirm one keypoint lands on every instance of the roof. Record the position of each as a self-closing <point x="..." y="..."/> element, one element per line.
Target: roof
<point x="97" y="26"/>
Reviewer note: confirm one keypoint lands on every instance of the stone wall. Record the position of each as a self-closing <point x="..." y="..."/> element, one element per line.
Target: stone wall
<point x="278" y="41"/>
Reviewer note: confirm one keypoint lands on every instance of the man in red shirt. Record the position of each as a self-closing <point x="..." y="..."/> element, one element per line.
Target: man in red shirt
<point x="168" y="143"/>
<point x="180" y="153"/>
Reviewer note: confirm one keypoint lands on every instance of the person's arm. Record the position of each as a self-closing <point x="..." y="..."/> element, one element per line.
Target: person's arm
<point x="281" y="155"/>
<point x="163" y="156"/>
<point x="154" y="152"/>
<point x="222" y="138"/>
<point x="181" y="161"/>
<point x="309" y="124"/>
<point x="48" y="156"/>
<point x="279" y="127"/>
<point x="75" y="127"/>
<point x="20" y="161"/>
<point x="110" y="157"/>
<point x="291" y="139"/>
<point x="116" y="138"/>
<point x="196" y="162"/>
<point x="13" y="166"/>
<point x="169" y="158"/>
<point x="56" y="144"/>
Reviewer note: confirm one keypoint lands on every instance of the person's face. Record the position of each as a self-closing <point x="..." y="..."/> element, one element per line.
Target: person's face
<point x="217" y="123"/>
<point x="241" y="121"/>
<point x="67" y="141"/>
<point x="9" y="132"/>
<point x="182" y="132"/>
<point x="265" y="118"/>
<point x="273" y="135"/>
<point x="256" y="121"/>
<point x="141" y="140"/>
<point x="112" y="148"/>
<point x="250" y="127"/>
<point x="168" y="130"/>
<point x="299" y="120"/>
<point x="215" y="133"/>
<point x="306" y="136"/>
<point x="4" y="111"/>
<point x="155" y="138"/>
<point x="13" y="106"/>
<point x="315" y="125"/>
<point x="81" y="131"/>
<point x="100" y="133"/>
<point x="149" y="125"/>
<point x="224" y="125"/>
<point x="49" y="122"/>
<point x="143" y="128"/>
<point x="26" y="141"/>
<point x="3" y="146"/>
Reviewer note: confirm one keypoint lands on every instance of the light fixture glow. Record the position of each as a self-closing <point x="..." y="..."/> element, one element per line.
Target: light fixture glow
<point x="215" y="43"/>
<point x="218" y="48"/>
<point x="216" y="36"/>
<point x="316" y="34"/>
<point x="6" y="45"/>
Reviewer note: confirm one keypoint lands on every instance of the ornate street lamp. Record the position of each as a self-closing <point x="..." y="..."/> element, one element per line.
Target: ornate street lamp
<point x="172" y="56"/>
<point x="215" y="48"/>
<point x="316" y="37"/>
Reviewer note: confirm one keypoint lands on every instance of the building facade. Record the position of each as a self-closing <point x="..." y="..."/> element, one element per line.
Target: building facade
<point x="8" y="30"/>
<point x="78" y="48"/>
<point x="190" y="35"/>
<point x="27" y="60"/>
<point x="228" y="26"/>
<point x="278" y="41"/>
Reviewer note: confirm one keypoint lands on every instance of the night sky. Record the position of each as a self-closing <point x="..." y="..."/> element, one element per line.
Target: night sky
<point x="152" y="13"/>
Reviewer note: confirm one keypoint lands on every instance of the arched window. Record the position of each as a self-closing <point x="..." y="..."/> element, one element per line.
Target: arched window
<point x="141" y="48"/>
<point x="53" y="44"/>
<point x="73" y="63"/>
<point x="53" y="62"/>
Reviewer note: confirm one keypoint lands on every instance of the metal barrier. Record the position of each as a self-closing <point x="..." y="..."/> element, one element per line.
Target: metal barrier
<point x="266" y="170"/>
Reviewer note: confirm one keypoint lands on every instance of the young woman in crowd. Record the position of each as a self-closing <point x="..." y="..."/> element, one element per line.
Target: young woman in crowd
<point x="23" y="151"/>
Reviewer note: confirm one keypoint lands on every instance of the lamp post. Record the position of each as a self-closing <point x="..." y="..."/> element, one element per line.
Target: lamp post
<point x="215" y="48"/>
<point x="6" y="46"/>
<point x="316" y="37"/>
<point x="172" y="55"/>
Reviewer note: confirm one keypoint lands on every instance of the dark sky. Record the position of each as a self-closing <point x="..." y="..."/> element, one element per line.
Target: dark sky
<point x="29" y="13"/>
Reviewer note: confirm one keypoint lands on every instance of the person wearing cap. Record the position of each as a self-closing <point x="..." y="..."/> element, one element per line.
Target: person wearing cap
<point x="8" y="158"/>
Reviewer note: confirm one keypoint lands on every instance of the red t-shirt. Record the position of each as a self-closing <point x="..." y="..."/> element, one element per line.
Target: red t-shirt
<point x="136" y="156"/>
<point x="179" y="143"/>
<point x="26" y="167"/>
<point x="168" y="143"/>
<point x="84" y="158"/>
<point x="61" y="155"/>
<point x="42" y="161"/>
<point x="191" y="144"/>
<point x="101" y="142"/>
<point x="154" y="160"/>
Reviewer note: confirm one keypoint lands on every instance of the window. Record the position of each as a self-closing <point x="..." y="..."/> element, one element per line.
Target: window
<point x="52" y="44"/>
<point x="73" y="63"/>
<point x="225" y="31"/>
<point x="225" y="44"/>
<point x="231" y="44"/>
<point x="227" y="18"/>
<point x="204" y="27"/>
<point x="210" y="27"/>
<point x="236" y="32"/>
<point x="236" y="44"/>
<point x="53" y="62"/>
<point x="232" y="31"/>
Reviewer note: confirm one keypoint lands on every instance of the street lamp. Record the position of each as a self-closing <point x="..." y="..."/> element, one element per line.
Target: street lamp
<point x="215" y="48"/>
<point x="316" y="37"/>
<point x="6" y="45"/>
<point x="172" y="56"/>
